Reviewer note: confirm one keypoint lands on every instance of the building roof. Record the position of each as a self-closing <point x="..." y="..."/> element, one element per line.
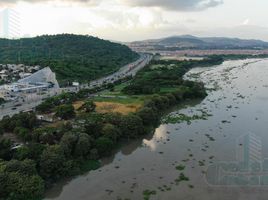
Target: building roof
<point x="44" y="75"/>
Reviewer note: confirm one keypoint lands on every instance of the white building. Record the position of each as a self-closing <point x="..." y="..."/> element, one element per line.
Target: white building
<point x="76" y="84"/>
<point x="42" y="80"/>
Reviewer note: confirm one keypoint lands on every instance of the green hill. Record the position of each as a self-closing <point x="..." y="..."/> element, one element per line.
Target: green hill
<point x="72" y="57"/>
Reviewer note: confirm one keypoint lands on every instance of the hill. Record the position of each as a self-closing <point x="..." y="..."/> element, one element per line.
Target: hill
<point x="72" y="57"/>
<point x="192" y="42"/>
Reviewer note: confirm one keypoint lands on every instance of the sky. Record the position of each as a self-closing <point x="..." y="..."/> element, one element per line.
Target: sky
<point x="133" y="20"/>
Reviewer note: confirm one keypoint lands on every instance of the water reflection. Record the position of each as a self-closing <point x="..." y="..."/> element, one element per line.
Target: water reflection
<point x="160" y="135"/>
<point x="237" y="102"/>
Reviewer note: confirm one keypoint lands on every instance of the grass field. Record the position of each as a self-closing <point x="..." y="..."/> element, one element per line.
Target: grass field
<point x="123" y="105"/>
<point x="115" y="101"/>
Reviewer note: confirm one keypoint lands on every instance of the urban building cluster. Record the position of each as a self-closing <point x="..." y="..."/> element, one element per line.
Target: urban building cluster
<point x="39" y="81"/>
<point x="13" y="72"/>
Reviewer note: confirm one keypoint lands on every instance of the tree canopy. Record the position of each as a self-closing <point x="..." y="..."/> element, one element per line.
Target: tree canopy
<point x="72" y="57"/>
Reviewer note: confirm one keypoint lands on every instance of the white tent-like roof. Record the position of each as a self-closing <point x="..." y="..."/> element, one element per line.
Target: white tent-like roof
<point x="44" y="75"/>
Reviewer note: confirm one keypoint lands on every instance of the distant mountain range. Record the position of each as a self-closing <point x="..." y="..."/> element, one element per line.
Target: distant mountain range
<point x="192" y="42"/>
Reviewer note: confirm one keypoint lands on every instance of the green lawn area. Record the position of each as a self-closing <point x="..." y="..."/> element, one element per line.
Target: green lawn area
<point x="164" y="90"/>
<point x="120" y="97"/>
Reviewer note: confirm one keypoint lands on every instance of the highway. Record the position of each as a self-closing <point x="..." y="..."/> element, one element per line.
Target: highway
<point x="30" y="101"/>
<point x="128" y="70"/>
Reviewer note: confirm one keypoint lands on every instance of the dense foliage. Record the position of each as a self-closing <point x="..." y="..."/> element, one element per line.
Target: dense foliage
<point x="72" y="57"/>
<point x="166" y="74"/>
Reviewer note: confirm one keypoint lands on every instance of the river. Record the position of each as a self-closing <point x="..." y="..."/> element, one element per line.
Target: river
<point x="224" y="155"/>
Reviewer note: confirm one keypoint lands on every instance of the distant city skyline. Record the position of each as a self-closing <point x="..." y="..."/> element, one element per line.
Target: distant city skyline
<point x="131" y="20"/>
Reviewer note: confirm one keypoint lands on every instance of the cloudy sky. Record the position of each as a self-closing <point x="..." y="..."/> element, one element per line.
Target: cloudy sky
<point x="129" y="20"/>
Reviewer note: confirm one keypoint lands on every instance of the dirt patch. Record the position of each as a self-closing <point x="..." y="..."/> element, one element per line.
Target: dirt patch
<point x="105" y="107"/>
<point x="78" y="104"/>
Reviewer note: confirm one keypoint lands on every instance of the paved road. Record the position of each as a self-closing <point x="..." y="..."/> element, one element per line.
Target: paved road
<point x="33" y="100"/>
<point x="128" y="70"/>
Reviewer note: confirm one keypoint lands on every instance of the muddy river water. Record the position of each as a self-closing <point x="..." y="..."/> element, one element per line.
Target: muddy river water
<point x="221" y="156"/>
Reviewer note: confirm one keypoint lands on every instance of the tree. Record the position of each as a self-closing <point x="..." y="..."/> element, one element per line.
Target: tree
<point x="20" y="181"/>
<point x="148" y="115"/>
<point x="5" y="149"/>
<point x="7" y="124"/>
<point x="83" y="145"/>
<point x="25" y="120"/>
<point x="26" y="167"/>
<point x="22" y="153"/>
<point x="68" y="143"/>
<point x="3" y="183"/>
<point x="178" y="95"/>
<point x="159" y="103"/>
<point x="45" y="107"/>
<point x="131" y="126"/>
<point x="31" y="151"/>
<point x="65" y="111"/>
<point x="76" y="144"/>
<point x="52" y="163"/>
<point x="21" y="186"/>
<point x="1" y="130"/>
<point x="112" y="132"/>
<point x="23" y="133"/>
<point x="112" y="118"/>
<point x="46" y="135"/>
<point x="104" y="145"/>
<point x="70" y="56"/>
<point x="89" y="106"/>
<point x="171" y="98"/>
<point x="93" y="125"/>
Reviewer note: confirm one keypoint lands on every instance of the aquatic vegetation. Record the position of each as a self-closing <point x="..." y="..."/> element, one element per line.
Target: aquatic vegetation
<point x="180" y="117"/>
<point x="225" y="122"/>
<point x="185" y="160"/>
<point x="181" y="178"/>
<point x="211" y="157"/>
<point x="164" y="188"/>
<point x="148" y="193"/>
<point x="210" y="137"/>
<point x="201" y="163"/>
<point x="180" y="167"/>
<point x="191" y="186"/>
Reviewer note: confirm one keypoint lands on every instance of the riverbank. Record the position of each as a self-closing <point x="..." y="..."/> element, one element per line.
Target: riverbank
<point x="76" y="135"/>
<point x="154" y="165"/>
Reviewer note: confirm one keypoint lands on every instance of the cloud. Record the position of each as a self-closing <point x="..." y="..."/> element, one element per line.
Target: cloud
<point x="33" y="1"/>
<point x="180" y="5"/>
<point x="10" y="2"/>
<point x="246" y="22"/>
